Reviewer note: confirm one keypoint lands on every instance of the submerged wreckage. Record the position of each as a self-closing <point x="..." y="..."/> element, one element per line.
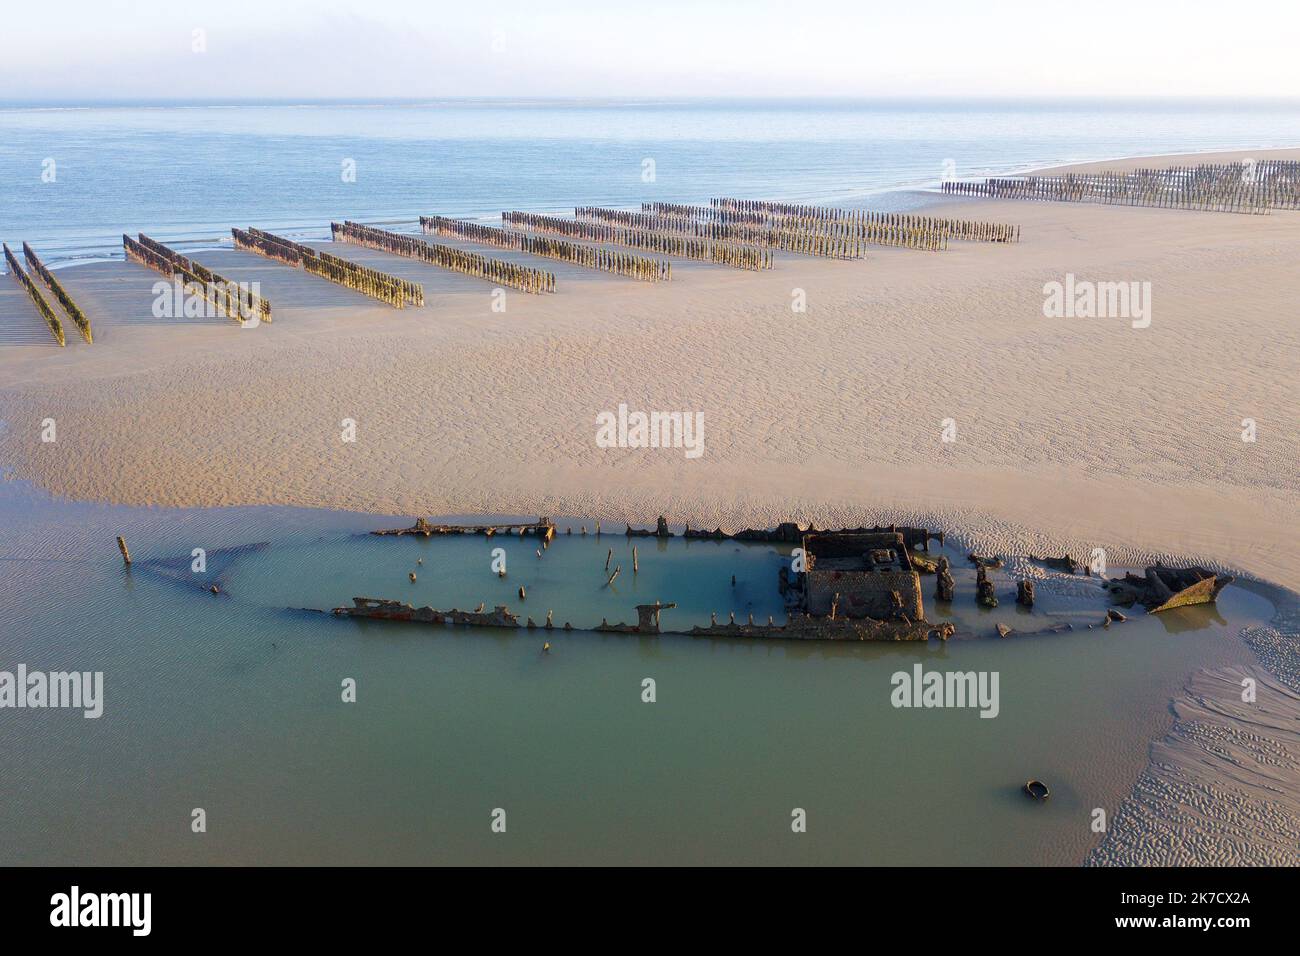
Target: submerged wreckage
<point x="1162" y="589"/>
<point x="543" y="528"/>
<point x="859" y="584"/>
<point x="849" y="585"/>
<point x="385" y="610"/>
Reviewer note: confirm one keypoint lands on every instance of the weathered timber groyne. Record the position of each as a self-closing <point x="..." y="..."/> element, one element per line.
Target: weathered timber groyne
<point x="371" y="282"/>
<point x="884" y="228"/>
<point x="824" y="242"/>
<point x="23" y="279"/>
<point x="523" y="278"/>
<point x="1252" y="188"/>
<point x="55" y="286"/>
<point x="643" y="268"/>
<point x="704" y="250"/>
<point x="233" y="301"/>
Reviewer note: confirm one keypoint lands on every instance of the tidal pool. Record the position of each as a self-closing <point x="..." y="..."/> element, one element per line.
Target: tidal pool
<point x="233" y="703"/>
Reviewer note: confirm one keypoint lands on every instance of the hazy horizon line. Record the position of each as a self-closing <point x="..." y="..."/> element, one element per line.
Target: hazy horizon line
<point x="502" y="100"/>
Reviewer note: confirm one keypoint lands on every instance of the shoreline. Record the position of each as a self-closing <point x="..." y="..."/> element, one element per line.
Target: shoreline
<point x="926" y="193"/>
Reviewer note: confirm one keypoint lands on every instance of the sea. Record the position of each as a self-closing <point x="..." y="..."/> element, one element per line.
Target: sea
<point x="74" y="177"/>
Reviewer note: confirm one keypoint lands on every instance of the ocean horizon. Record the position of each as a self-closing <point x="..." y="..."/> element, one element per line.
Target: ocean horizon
<point x="80" y="174"/>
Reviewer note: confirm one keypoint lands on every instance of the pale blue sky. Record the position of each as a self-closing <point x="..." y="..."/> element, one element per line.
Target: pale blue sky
<point x="80" y="49"/>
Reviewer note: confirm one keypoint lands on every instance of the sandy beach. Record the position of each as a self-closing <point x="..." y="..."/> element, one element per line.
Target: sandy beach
<point x="1071" y="434"/>
<point x="1074" y="433"/>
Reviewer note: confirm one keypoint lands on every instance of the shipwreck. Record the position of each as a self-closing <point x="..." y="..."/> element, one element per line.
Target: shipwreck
<point x="1162" y="588"/>
<point x="852" y="585"/>
<point x="385" y="610"/>
<point x="542" y="528"/>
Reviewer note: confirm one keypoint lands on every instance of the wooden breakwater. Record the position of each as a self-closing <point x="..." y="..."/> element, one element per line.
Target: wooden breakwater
<point x="54" y="285"/>
<point x="1248" y="188"/>
<point x="1279" y="179"/>
<point x="523" y="278"/>
<point x="751" y="258"/>
<point x="371" y="282"/>
<point x="232" y="300"/>
<point x="883" y="228"/>
<point x="810" y="242"/>
<point x="628" y="264"/>
<point x="23" y="279"/>
<point x="807" y="238"/>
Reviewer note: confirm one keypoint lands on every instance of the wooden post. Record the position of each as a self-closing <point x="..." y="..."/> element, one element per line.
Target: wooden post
<point x="121" y="546"/>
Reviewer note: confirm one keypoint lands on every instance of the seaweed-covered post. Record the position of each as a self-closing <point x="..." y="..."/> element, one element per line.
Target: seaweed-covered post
<point x="53" y="284"/>
<point x="43" y="307"/>
<point x="985" y="596"/>
<point x="944" y="586"/>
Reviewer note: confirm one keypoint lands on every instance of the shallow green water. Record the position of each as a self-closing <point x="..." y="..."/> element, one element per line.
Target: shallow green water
<point x="232" y="703"/>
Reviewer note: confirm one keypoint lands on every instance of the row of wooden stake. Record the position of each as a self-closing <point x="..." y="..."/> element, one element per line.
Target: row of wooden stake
<point x="643" y="268"/>
<point x="371" y="282"/>
<point x="1252" y="188"/>
<point x="816" y="242"/>
<point x="862" y="222"/>
<point x="523" y="278"/>
<point x="23" y="279"/>
<point x="232" y="300"/>
<point x="70" y="307"/>
<point x="705" y="250"/>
